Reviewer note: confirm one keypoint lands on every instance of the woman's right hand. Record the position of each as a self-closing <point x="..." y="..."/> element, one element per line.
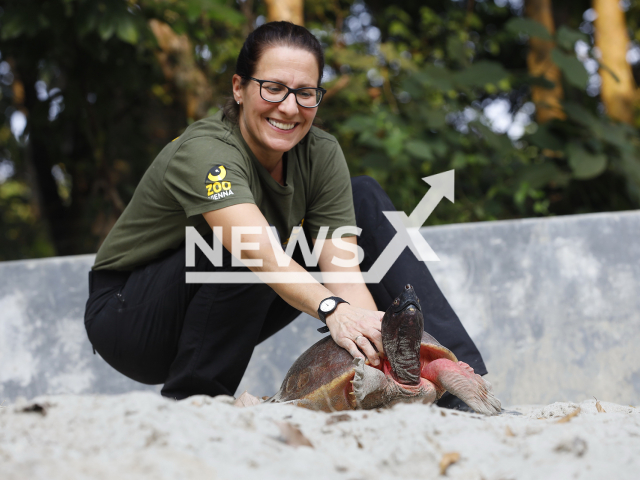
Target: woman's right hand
<point x="357" y="329"/>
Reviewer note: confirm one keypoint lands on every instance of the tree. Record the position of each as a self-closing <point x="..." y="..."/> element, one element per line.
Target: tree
<point x="102" y="93"/>
<point x="104" y="86"/>
<point x="286" y="10"/>
<point x="612" y="39"/>
<point x="176" y="58"/>
<point x="437" y="70"/>
<point x="547" y="98"/>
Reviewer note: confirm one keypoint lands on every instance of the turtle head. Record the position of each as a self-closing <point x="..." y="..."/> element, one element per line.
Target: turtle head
<point x="402" y="327"/>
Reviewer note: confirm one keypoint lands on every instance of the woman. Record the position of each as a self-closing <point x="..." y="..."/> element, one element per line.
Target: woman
<point x="259" y="163"/>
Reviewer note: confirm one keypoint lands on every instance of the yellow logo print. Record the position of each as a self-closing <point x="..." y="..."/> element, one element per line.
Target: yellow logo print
<point x="216" y="188"/>
<point x="217" y="174"/>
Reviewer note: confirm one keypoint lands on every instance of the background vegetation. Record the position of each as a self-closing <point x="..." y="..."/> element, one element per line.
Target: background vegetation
<point x="532" y="102"/>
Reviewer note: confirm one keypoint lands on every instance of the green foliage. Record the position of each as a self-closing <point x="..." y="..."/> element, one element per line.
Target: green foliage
<point x="526" y="26"/>
<point x="103" y="107"/>
<point x="566" y="38"/>
<point x="571" y="67"/>
<point x="585" y="164"/>
<point x="431" y="117"/>
<point x="87" y="76"/>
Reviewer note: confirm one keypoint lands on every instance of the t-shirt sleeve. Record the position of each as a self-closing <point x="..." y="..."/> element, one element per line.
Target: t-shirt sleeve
<point x="207" y="174"/>
<point x="331" y="200"/>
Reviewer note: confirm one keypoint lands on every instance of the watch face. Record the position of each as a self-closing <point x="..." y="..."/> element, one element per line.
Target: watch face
<point x="327" y="305"/>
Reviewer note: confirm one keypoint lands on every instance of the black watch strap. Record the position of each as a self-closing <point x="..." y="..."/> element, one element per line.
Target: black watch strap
<point x="323" y="314"/>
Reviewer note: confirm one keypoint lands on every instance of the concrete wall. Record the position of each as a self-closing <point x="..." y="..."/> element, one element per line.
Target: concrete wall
<point x="43" y="344"/>
<point x="553" y="305"/>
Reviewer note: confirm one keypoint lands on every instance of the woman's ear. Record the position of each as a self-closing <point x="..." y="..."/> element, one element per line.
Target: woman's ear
<point x="236" y="82"/>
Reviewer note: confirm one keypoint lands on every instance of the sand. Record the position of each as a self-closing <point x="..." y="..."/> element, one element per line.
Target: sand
<point x="144" y="436"/>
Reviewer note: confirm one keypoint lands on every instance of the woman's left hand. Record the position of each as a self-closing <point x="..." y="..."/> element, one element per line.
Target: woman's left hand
<point x="357" y="330"/>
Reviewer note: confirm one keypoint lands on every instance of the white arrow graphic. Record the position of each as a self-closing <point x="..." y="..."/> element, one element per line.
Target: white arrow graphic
<point x="442" y="185"/>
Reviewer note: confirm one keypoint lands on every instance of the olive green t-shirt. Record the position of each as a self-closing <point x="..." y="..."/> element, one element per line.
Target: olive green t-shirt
<point x="210" y="167"/>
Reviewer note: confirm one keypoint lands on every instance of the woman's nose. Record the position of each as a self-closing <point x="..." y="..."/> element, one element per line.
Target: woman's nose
<point x="289" y="105"/>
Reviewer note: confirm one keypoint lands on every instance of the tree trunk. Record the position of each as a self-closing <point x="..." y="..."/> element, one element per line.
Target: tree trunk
<point x="54" y="215"/>
<point x="180" y="68"/>
<point x="612" y="40"/>
<point x="547" y="100"/>
<point x="287" y="10"/>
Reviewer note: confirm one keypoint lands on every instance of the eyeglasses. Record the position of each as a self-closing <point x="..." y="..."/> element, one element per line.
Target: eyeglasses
<point x="276" y="92"/>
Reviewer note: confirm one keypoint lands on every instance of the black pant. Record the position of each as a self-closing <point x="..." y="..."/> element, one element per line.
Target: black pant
<point x="198" y="338"/>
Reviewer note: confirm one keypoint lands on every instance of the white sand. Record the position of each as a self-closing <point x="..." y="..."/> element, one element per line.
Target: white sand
<point x="141" y="435"/>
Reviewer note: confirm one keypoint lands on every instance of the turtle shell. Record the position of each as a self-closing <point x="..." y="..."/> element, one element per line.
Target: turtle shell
<point x="321" y="377"/>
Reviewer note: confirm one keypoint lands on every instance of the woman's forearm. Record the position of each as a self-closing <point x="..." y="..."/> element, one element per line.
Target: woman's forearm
<point x="305" y="297"/>
<point x="351" y="326"/>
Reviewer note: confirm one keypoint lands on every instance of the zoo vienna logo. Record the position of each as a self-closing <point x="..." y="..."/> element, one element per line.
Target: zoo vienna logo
<point x="216" y="187"/>
<point x="407" y="235"/>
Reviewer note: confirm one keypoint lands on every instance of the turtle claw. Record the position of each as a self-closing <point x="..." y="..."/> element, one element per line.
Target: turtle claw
<point x="485" y="401"/>
<point x="246" y="400"/>
<point x="486" y="382"/>
<point x="465" y="366"/>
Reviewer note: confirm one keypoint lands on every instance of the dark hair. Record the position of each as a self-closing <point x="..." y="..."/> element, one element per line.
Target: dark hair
<point x="272" y="34"/>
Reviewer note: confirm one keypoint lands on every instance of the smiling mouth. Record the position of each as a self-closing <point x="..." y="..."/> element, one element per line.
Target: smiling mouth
<point x="280" y="125"/>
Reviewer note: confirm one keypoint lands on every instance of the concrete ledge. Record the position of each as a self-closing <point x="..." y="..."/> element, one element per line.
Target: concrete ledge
<point x="552" y="304"/>
<point x="43" y="343"/>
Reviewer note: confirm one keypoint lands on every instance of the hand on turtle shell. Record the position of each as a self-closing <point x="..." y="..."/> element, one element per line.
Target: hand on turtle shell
<point x="356" y="329"/>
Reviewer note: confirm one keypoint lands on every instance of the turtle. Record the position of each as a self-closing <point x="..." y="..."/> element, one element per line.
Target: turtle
<point x="413" y="367"/>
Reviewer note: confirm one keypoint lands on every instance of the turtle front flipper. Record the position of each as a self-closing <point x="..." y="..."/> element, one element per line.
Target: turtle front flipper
<point x="370" y="386"/>
<point x="459" y="379"/>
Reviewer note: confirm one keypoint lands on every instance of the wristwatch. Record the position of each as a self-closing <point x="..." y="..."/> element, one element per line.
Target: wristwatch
<point x="327" y="307"/>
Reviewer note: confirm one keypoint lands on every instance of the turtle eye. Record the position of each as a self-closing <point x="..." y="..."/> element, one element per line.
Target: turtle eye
<point x="395" y="302"/>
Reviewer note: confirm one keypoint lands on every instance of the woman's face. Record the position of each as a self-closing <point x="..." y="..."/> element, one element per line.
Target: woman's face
<point x="295" y="68"/>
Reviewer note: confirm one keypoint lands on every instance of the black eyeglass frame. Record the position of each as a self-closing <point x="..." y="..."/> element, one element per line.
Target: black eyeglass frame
<point x="289" y="90"/>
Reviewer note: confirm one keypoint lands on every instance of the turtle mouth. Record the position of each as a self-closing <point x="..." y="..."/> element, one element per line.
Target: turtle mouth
<point x="406" y="298"/>
<point x="386" y="368"/>
<point x="428" y="353"/>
